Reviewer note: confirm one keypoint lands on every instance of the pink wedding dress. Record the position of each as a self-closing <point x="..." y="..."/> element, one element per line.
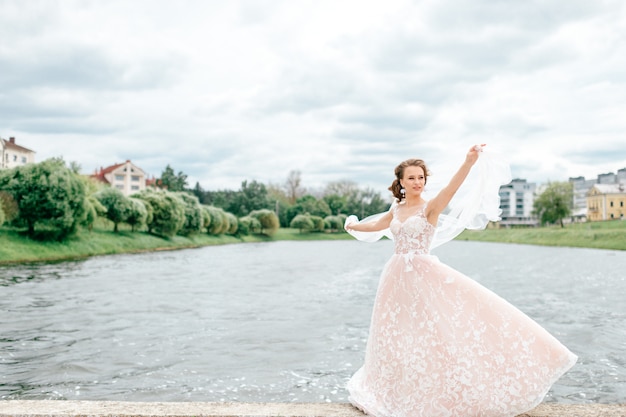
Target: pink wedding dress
<point x="441" y="345"/>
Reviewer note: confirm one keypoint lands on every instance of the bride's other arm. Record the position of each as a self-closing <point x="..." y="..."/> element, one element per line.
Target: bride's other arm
<point x="439" y="203"/>
<point x="372" y="226"/>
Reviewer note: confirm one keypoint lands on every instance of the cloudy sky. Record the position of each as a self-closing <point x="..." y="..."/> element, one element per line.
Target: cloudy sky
<point x="235" y="90"/>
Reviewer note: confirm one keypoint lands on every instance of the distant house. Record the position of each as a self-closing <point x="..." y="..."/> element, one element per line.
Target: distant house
<point x="606" y="202"/>
<point x="14" y="155"/>
<point x="126" y="177"/>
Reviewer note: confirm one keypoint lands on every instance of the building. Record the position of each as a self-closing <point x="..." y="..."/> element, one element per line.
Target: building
<point x="516" y="201"/>
<point x="606" y="202"/>
<point x="582" y="188"/>
<point x="14" y="155"/>
<point x="126" y="177"/>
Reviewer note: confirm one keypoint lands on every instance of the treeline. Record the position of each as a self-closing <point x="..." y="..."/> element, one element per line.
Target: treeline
<point x="51" y="200"/>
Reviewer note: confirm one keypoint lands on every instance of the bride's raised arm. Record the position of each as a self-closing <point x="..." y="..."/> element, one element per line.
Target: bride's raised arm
<point x="438" y="203"/>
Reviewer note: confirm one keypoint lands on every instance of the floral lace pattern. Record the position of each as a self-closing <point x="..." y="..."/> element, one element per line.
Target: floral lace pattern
<point x="413" y="235"/>
<point x="440" y="344"/>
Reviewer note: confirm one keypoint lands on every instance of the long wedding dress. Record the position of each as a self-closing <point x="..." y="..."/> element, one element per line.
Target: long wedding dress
<point x="440" y="344"/>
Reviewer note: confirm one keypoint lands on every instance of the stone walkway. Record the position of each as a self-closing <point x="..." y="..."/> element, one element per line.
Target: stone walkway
<point x="59" y="408"/>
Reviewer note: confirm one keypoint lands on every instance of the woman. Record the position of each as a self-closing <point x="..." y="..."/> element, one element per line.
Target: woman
<point x="439" y="343"/>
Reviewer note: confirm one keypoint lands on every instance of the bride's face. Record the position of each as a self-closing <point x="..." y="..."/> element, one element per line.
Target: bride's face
<point x="413" y="180"/>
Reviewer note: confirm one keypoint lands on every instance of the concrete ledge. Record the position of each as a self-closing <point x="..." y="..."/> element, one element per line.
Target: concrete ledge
<point x="62" y="408"/>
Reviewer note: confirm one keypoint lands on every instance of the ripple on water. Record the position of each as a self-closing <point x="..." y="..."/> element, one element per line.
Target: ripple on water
<point x="281" y="321"/>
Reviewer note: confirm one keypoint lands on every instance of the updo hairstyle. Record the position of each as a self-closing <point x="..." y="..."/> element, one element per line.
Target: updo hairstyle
<point x="399" y="171"/>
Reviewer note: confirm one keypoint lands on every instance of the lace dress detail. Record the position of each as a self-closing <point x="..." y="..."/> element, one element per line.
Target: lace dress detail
<point x="441" y="345"/>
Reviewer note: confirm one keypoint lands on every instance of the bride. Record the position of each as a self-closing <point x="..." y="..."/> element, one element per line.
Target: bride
<point x="440" y="344"/>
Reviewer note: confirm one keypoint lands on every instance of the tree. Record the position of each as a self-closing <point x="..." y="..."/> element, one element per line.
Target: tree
<point x="293" y="186"/>
<point x="268" y="219"/>
<point x="318" y="223"/>
<point x="336" y="203"/>
<point x="193" y="213"/>
<point x="219" y="223"/>
<point x="309" y="205"/>
<point x="276" y="195"/>
<point x="117" y="205"/>
<point x="9" y="206"/>
<point x="302" y="222"/>
<point x="171" y="181"/>
<point x="252" y="196"/>
<point x="168" y="211"/>
<point x="233" y="224"/>
<point x="75" y="167"/>
<point x="199" y="192"/>
<point x="247" y="225"/>
<point x="137" y="213"/>
<point x="94" y="210"/>
<point x="554" y="203"/>
<point x="48" y="196"/>
<point x="335" y="223"/>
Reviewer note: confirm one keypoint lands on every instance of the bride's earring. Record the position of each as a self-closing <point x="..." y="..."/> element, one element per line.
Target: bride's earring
<point x="402" y="191"/>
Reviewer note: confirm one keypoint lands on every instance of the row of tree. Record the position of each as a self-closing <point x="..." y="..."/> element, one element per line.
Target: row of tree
<point x="49" y="199"/>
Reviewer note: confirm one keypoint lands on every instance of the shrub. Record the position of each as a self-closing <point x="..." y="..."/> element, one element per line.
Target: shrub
<point x="233" y="224"/>
<point x="219" y="222"/>
<point x="268" y="219"/>
<point x="302" y="222"/>
<point x="318" y="223"/>
<point x="248" y="224"/>
<point x="206" y="217"/>
<point x="334" y="223"/>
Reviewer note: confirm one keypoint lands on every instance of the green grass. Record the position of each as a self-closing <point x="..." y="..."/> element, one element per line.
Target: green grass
<point x="598" y="235"/>
<point x="16" y="248"/>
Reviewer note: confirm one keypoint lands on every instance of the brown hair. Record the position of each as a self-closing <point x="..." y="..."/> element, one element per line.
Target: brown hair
<point x="395" y="186"/>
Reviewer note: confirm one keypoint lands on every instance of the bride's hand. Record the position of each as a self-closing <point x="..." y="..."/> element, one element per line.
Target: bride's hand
<point x="472" y="155"/>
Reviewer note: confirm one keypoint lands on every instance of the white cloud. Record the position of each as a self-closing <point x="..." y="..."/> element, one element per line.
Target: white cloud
<point x="249" y="90"/>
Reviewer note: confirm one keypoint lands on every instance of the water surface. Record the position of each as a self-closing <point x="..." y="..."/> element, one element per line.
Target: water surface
<point x="279" y="321"/>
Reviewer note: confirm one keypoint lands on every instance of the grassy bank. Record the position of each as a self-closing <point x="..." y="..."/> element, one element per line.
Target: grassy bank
<point x="598" y="235"/>
<point x="16" y="248"/>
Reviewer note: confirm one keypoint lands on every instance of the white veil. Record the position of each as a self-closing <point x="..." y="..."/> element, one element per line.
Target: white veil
<point x="475" y="204"/>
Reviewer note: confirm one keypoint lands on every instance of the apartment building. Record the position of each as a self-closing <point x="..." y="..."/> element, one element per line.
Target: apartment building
<point x="516" y="201"/>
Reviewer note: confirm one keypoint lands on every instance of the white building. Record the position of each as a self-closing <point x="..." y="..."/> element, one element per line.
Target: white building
<point x="13" y="155"/>
<point x="126" y="177"/>
<point x="516" y="201"/>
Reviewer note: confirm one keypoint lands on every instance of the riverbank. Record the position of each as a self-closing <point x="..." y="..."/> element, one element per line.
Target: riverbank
<point x="111" y="408"/>
<point x="15" y="248"/>
<point x="596" y="235"/>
